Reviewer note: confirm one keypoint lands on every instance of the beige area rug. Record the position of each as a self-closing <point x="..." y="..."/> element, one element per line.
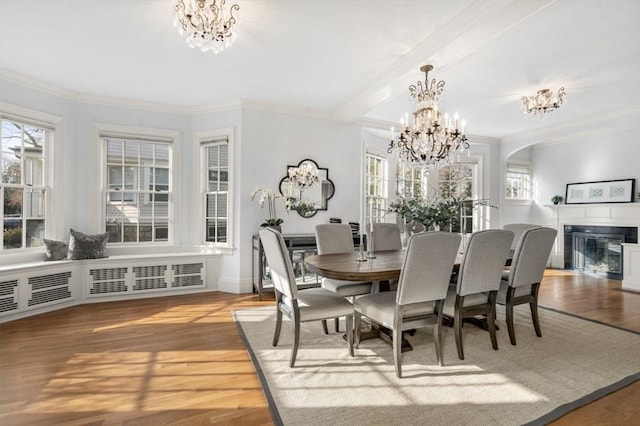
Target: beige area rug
<point x="575" y="362"/>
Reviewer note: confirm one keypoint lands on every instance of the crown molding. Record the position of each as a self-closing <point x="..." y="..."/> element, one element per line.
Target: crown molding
<point x="622" y="118"/>
<point x="283" y="109"/>
<point x="33" y="83"/>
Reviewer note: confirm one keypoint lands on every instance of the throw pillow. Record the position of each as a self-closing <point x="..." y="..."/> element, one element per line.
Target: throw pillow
<point x="56" y="249"/>
<point x="87" y="246"/>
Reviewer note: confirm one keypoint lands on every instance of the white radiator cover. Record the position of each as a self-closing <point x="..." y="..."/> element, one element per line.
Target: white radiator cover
<point x="30" y="289"/>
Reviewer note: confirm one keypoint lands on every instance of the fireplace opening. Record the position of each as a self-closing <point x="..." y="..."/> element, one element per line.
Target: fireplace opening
<point x="597" y="249"/>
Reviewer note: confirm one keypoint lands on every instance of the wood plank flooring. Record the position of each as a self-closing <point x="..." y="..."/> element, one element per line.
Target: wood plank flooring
<point x="179" y="360"/>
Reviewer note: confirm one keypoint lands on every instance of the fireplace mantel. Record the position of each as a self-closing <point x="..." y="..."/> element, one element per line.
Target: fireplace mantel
<point x="612" y="214"/>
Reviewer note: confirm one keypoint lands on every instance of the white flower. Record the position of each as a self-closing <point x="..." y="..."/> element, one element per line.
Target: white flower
<point x="269" y="196"/>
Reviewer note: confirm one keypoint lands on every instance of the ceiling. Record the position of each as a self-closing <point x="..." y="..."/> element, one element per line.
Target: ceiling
<point x="343" y="59"/>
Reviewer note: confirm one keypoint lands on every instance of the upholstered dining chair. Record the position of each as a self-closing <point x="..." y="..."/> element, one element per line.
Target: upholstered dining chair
<point x="386" y="236"/>
<point x="311" y="304"/>
<point x="338" y="238"/>
<point x="422" y="288"/>
<point x="520" y="284"/>
<point x="478" y="282"/>
<point x="518" y="229"/>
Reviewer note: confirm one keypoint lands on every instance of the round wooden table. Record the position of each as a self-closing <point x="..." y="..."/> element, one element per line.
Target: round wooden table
<point x="344" y="266"/>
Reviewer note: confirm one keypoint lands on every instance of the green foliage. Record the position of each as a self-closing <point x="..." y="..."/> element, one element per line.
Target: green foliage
<point x="304" y="208"/>
<point x="272" y="222"/>
<point x="439" y="213"/>
<point x="557" y="199"/>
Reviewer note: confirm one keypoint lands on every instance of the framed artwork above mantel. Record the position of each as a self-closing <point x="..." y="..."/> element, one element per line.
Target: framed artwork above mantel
<point x="605" y="191"/>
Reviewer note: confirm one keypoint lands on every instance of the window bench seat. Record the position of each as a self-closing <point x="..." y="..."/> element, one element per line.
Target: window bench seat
<point x="36" y="287"/>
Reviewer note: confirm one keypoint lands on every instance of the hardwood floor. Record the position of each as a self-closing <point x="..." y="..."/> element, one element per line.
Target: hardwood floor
<point x="179" y="360"/>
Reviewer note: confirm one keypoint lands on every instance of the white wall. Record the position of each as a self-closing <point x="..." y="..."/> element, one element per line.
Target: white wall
<point x="267" y="141"/>
<point x="603" y="147"/>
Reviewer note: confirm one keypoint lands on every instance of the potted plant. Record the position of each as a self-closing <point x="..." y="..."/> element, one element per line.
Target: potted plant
<point x="269" y="197"/>
<point x="557" y="199"/>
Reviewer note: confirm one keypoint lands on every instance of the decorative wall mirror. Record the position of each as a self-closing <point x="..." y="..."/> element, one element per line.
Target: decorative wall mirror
<point x="307" y="187"/>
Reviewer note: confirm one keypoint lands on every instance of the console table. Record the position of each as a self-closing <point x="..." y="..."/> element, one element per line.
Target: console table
<point x="299" y="245"/>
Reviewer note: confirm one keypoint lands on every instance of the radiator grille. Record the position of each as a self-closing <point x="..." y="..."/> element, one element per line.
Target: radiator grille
<point x="108" y="280"/>
<point x="187" y="268"/>
<point x="187" y="275"/>
<point x="8" y="301"/>
<point x="51" y="280"/>
<point x="150" y="283"/>
<point x="149" y="271"/>
<point x="188" y="281"/>
<point x="49" y="288"/>
<point x="108" y="274"/>
<point x="108" y="287"/>
<point x="149" y="277"/>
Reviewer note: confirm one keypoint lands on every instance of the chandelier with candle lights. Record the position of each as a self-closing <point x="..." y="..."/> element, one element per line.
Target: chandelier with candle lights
<point x="305" y="175"/>
<point x="431" y="140"/>
<point x="205" y="23"/>
<point x="543" y="103"/>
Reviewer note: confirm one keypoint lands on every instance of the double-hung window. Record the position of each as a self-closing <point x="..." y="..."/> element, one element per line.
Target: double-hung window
<point x="23" y="183"/>
<point x="376" y="187"/>
<point x="137" y="189"/>
<point x="518" y="182"/>
<point x="411" y="182"/>
<point x="215" y="152"/>
<point x="457" y="181"/>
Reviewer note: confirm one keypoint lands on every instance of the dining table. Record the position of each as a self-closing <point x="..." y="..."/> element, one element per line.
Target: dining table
<point x="382" y="266"/>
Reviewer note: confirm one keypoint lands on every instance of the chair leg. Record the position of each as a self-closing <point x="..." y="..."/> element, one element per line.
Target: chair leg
<point x="457" y="325"/>
<point x="509" y="309"/>
<point x="491" y="322"/>
<point x="534" y="309"/>
<point x="356" y="329"/>
<point x="276" y="335"/>
<point x="397" y="351"/>
<point x="337" y="322"/>
<point x="349" y="320"/>
<point x="296" y="340"/>
<point x="436" y="334"/>
<point x="534" y="317"/>
<point x="324" y="327"/>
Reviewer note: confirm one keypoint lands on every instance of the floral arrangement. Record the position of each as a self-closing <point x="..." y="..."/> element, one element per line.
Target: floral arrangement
<point x="439" y="212"/>
<point x="269" y="197"/>
<point x="303" y="207"/>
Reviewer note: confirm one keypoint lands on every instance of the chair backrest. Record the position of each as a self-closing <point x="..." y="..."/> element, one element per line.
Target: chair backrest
<point x="386" y="236"/>
<point x="427" y="267"/>
<point x="334" y="238"/>
<point x="483" y="261"/>
<point x="279" y="262"/>
<point x="531" y="256"/>
<point x="518" y="229"/>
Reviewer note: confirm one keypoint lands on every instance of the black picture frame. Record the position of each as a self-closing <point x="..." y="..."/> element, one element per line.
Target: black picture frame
<point x="603" y="191"/>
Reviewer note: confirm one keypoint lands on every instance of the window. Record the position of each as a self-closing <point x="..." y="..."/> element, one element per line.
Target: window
<point x="376" y="195"/>
<point x="518" y="182"/>
<point x="457" y="181"/>
<point x="410" y="181"/>
<point x="23" y="185"/>
<point x="137" y="189"/>
<point x="215" y="155"/>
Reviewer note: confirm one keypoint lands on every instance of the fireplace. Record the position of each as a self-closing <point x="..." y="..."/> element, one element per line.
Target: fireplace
<point x="597" y="249"/>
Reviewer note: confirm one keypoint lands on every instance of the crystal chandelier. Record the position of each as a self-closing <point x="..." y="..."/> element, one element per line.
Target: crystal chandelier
<point x="543" y="103"/>
<point x="305" y="175"/>
<point x="432" y="140"/>
<point x="205" y="23"/>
